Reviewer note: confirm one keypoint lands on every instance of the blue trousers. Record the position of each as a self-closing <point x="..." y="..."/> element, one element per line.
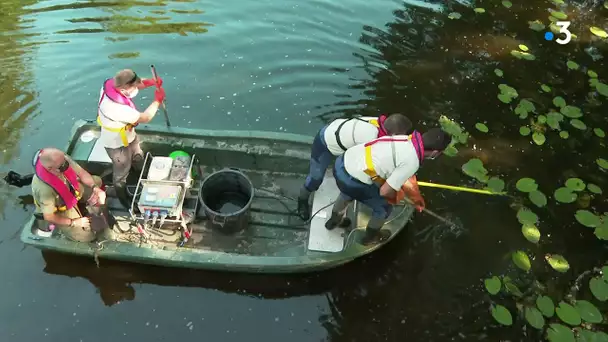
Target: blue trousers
<point x="368" y="194"/>
<point x="320" y="158"/>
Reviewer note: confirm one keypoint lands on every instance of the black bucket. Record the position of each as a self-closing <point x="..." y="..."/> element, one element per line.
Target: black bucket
<point x="226" y="197"/>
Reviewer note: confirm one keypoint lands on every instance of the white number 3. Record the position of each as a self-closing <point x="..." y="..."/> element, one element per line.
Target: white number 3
<point x="563" y="28"/>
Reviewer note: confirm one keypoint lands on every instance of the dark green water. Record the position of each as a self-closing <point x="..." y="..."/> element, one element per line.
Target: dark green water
<point x="289" y="66"/>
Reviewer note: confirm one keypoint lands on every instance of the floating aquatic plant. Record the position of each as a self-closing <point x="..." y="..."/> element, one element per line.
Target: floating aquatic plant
<point x="598" y="32"/>
<point x="545" y="305"/>
<point x="599" y="132"/>
<point x="479" y="10"/>
<point x="493" y="285"/>
<point x="568" y="314"/>
<point x="572" y="65"/>
<point x="507" y="93"/>
<point x="474" y="168"/>
<point x="525" y="131"/>
<point x="587" y="218"/>
<point x="594" y="188"/>
<point x="521" y="260"/>
<point x="481" y="127"/>
<point x="502" y="315"/>
<point x="565" y="195"/>
<point x="495" y="184"/>
<point x="526" y="184"/>
<point x="531" y="233"/>
<point x="523" y="55"/>
<point x="599" y="288"/>
<point x="524" y="108"/>
<point x="534" y="317"/>
<point x="545" y="88"/>
<point x="558" y="15"/>
<point x="536" y="25"/>
<point x="557" y="262"/>
<point x="526" y="216"/>
<point x="539" y="138"/>
<point x="454" y="15"/>
<point x="538" y="198"/>
<point x="588" y="312"/>
<point x="507" y="3"/>
<point x="603" y="163"/>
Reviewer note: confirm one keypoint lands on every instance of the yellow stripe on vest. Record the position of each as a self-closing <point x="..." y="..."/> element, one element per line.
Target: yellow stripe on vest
<point x="370" y="170"/>
<point x="374" y="122"/>
<point x="122" y="131"/>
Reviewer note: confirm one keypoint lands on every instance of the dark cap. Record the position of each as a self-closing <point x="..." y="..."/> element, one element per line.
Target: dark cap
<point x="126" y="77"/>
<point x="436" y="139"/>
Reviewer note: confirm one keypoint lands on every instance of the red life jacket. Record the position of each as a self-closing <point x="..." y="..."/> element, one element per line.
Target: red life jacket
<point x="69" y="194"/>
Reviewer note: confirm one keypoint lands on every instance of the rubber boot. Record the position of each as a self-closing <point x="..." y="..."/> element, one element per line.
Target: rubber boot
<point x="337" y="219"/>
<point x="373" y="232"/>
<point x="303" y="204"/>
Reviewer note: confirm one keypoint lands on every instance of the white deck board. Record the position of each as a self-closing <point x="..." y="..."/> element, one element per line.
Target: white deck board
<point x="319" y="238"/>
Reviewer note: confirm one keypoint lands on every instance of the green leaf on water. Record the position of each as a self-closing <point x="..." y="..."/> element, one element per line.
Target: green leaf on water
<point x="524" y="130"/>
<point x="502" y="315"/>
<point x="599" y="288"/>
<point x="599" y="132"/>
<point x="559" y="15"/>
<point x="526" y="185"/>
<point x="559" y="333"/>
<point x="568" y="314"/>
<point x="507" y="3"/>
<point x="493" y="285"/>
<point x="507" y="90"/>
<point x="538" y="198"/>
<point x="526" y="216"/>
<point x="530" y="232"/>
<point x="558" y="2"/>
<point x="601" y="233"/>
<point x="564" y="134"/>
<point x="588" y="312"/>
<point x="557" y="262"/>
<point x="512" y="288"/>
<point x="575" y="184"/>
<point x="474" y="168"/>
<point x="578" y="124"/>
<point x="598" y="32"/>
<point x="523" y="55"/>
<point x="498" y="72"/>
<point x="522" y="47"/>
<point x="572" y="65"/>
<point x="521" y="260"/>
<point x="571" y="112"/>
<point x="553" y="119"/>
<point x="450" y="151"/>
<point x="504" y="98"/>
<point x="454" y="15"/>
<point x="603" y="163"/>
<point x="541" y="119"/>
<point x="587" y="218"/>
<point x="594" y="188"/>
<point x="534" y="317"/>
<point x="479" y="10"/>
<point x="545" y="88"/>
<point x="538" y="138"/>
<point x="584" y="335"/>
<point x="559" y="101"/>
<point x="545" y="305"/>
<point x="564" y="195"/>
<point x="601" y="88"/>
<point x="481" y="127"/>
<point x="496" y="184"/>
<point x="592" y="73"/>
<point x="536" y="25"/>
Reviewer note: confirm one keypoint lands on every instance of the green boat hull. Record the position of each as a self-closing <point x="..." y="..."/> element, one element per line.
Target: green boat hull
<point x="276" y="240"/>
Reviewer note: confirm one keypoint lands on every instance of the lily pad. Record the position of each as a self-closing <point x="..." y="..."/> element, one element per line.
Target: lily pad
<point x="541" y="119"/>
<point x="479" y="10"/>
<point x="511" y="288"/>
<point x="559" y="101"/>
<point x="538" y="138"/>
<point x="603" y="163"/>
<point x="522" y="47"/>
<point x="545" y="305"/>
<point x="531" y="233"/>
<point x="568" y="314"/>
<point x="525" y="131"/>
<point x="521" y="260"/>
<point x="598" y="32"/>
<point x="536" y="25"/>
<point x="599" y="288"/>
<point x="572" y="65"/>
<point x="502" y="315"/>
<point x="481" y="127"/>
<point x="504" y="98"/>
<point x="454" y="15"/>
<point x="564" y="134"/>
<point x="545" y="88"/>
<point x="534" y="317"/>
<point x="507" y="4"/>
<point x="601" y="232"/>
<point x="526" y="185"/>
<point x="538" y="198"/>
<point x="493" y="285"/>
<point x="599" y="132"/>
<point x="578" y="124"/>
<point x="588" y="312"/>
<point x="559" y="333"/>
<point x="507" y="90"/>
<point x="496" y="184"/>
<point x="474" y="168"/>
<point x="592" y="73"/>
<point x="498" y="72"/>
<point x="584" y="335"/>
<point x="571" y="112"/>
<point x="601" y="88"/>
<point x="450" y="151"/>
<point x="553" y="119"/>
<point x="575" y="184"/>
<point x="564" y="195"/>
<point x="559" y="15"/>
<point x="587" y="218"/>
<point x="557" y="262"/>
<point x="594" y="188"/>
<point x="526" y="216"/>
<point x="523" y="55"/>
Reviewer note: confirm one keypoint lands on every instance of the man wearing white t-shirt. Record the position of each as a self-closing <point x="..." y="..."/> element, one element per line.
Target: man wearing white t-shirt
<point x="375" y="172"/>
<point x="338" y="136"/>
<point x="117" y="117"/>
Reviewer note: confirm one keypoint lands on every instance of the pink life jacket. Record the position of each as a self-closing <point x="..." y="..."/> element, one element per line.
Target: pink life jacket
<point x="381" y="130"/>
<point x="110" y="91"/>
<point x="69" y="197"/>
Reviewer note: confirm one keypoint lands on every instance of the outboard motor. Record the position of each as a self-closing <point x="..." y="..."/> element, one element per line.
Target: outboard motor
<point x="17" y="180"/>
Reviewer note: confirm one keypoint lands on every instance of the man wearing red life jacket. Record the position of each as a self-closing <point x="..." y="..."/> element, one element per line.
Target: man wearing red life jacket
<point x="375" y="173"/>
<point x="338" y="136"/>
<point x="58" y="185"/>
<point x="117" y="117"/>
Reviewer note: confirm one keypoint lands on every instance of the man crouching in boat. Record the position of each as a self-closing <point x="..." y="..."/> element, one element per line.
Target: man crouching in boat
<point x="58" y="186"/>
<point x="117" y="117"/>
<point x="376" y="174"/>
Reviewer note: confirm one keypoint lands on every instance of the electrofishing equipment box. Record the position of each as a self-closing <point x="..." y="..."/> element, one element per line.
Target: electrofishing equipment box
<point x="156" y="196"/>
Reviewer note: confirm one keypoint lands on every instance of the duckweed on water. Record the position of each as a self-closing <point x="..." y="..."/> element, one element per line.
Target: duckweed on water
<point x="572" y="65"/>
<point x="526" y="216"/>
<point x="495" y="184"/>
<point x="481" y="127"/>
<point x="553" y="120"/>
<point x="474" y="168"/>
<point x="498" y="72"/>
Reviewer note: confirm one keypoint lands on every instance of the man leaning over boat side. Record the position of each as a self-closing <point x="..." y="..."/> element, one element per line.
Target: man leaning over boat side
<point x="376" y="174"/>
<point x="335" y="138"/>
<point x="58" y="186"/>
<point x="118" y="116"/>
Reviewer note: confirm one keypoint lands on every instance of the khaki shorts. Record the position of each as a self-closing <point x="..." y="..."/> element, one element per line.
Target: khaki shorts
<point x="122" y="160"/>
